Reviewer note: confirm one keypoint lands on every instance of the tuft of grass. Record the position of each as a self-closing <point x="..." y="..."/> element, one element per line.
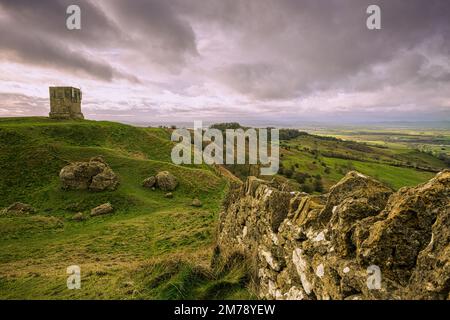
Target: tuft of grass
<point x="183" y="280"/>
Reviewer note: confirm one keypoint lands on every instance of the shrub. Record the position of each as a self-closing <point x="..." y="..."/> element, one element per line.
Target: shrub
<point x="318" y="185"/>
<point x="306" y="187"/>
<point x="300" y="177"/>
<point x="288" y="172"/>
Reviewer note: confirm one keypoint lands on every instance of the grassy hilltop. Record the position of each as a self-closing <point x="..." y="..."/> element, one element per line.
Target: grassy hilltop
<point x="150" y="247"/>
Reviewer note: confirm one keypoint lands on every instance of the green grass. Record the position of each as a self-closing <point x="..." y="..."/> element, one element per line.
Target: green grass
<point x="146" y="229"/>
<point x="151" y="247"/>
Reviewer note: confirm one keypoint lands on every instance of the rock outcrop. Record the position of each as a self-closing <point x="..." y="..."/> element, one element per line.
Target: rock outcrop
<point x="18" y="208"/>
<point x="359" y="241"/>
<point x="95" y="175"/>
<point x="150" y="182"/>
<point x="196" y="203"/>
<point x="102" y="209"/>
<point x="166" y="181"/>
<point x="78" y="216"/>
<point x="163" y="180"/>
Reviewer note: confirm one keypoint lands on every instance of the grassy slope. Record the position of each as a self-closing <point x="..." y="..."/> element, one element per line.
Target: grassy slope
<point x="147" y="237"/>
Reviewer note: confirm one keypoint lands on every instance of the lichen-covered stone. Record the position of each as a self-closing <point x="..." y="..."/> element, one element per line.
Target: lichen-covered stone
<point x="166" y="181"/>
<point x="94" y="175"/>
<point x="405" y="227"/>
<point x="168" y="195"/>
<point x="196" y="203"/>
<point x="149" y="182"/>
<point x="360" y="241"/>
<point x="105" y="180"/>
<point x="18" y="208"/>
<point x="78" y="216"/>
<point x="102" y="209"/>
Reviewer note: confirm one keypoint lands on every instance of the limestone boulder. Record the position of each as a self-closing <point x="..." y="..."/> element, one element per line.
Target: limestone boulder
<point x="430" y="278"/>
<point x="355" y="185"/>
<point x="78" y="216"/>
<point x="94" y="175"/>
<point x="405" y="228"/>
<point x="196" y="203"/>
<point x="19" y="208"/>
<point x="105" y="180"/>
<point x="166" y="181"/>
<point x="102" y="209"/>
<point x="150" y="182"/>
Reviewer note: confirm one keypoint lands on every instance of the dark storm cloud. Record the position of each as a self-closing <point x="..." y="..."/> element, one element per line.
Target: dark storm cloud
<point x="36" y="49"/>
<point x="157" y="29"/>
<point x="35" y="32"/>
<point x="298" y="47"/>
<point x="290" y="47"/>
<point x="260" y="80"/>
<point x="49" y="17"/>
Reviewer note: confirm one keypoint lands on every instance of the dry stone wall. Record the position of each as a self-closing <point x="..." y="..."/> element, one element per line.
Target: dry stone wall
<point x="359" y="241"/>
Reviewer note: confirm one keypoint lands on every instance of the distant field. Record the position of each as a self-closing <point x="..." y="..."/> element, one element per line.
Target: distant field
<point x="436" y="139"/>
<point x="396" y="158"/>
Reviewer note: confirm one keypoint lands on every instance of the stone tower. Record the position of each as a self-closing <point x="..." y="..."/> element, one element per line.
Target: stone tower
<point x="65" y="103"/>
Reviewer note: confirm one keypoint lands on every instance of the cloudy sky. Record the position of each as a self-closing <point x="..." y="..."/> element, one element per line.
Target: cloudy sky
<point x="273" y="61"/>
